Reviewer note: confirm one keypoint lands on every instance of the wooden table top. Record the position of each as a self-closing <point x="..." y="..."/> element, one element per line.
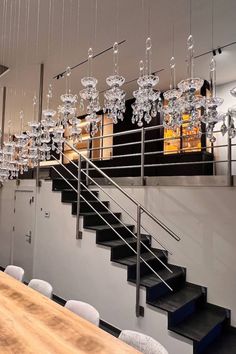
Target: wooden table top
<point x="32" y="323"/>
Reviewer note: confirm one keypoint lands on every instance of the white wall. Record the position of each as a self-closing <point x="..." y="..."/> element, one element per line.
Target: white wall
<point x="203" y="217"/>
<point x="223" y="91"/>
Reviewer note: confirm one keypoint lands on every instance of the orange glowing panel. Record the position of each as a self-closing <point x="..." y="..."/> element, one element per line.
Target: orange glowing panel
<point x="191" y="140"/>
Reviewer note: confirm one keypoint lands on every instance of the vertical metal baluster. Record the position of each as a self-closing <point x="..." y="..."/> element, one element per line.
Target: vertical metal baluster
<point x="4" y="95"/>
<point x="142" y="155"/>
<point x="139" y="309"/>
<point x="87" y="165"/>
<point x="229" y="157"/>
<point x="78" y="232"/>
<point x="40" y="107"/>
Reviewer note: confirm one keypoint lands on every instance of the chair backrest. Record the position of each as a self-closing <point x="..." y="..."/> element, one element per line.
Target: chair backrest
<point x="15" y="272"/>
<point x="42" y="287"/>
<point x="142" y="342"/>
<point x="82" y="309"/>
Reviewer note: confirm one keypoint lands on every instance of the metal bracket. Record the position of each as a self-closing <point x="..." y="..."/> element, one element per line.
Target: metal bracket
<point x="79" y="235"/>
<point x="39" y="184"/>
<point x="140" y="311"/>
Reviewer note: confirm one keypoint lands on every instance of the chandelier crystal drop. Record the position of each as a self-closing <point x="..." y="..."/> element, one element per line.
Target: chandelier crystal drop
<point x="145" y="106"/>
<point x="91" y="94"/>
<point x="47" y="124"/>
<point x="114" y="98"/>
<point x="211" y="116"/>
<point x="191" y="100"/>
<point x="232" y="115"/>
<point x="172" y="110"/>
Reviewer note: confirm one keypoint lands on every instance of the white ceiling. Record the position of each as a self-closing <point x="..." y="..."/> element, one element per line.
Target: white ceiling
<point x="42" y="32"/>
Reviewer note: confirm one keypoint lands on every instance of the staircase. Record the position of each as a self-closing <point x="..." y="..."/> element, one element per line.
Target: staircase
<point x="189" y="313"/>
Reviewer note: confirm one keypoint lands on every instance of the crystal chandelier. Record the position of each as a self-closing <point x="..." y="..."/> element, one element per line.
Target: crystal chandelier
<point x="211" y="116"/>
<point x="34" y="135"/>
<point x="114" y="98"/>
<point x="21" y="145"/>
<point x="8" y="164"/>
<point x="232" y="116"/>
<point x="67" y="117"/>
<point x="173" y="109"/>
<point x="91" y="94"/>
<point x="191" y="101"/>
<point x="145" y="105"/>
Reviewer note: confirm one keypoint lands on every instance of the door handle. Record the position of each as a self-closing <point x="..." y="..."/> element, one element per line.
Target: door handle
<point x="28" y="237"/>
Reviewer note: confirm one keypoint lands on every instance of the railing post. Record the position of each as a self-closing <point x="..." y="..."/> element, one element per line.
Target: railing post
<point x="229" y="157"/>
<point x="87" y="165"/>
<point x="78" y="232"/>
<point x="139" y="309"/>
<point x="142" y="156"/>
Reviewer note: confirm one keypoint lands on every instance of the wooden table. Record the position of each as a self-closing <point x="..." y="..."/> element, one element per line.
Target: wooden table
<point x="32" y="323"/>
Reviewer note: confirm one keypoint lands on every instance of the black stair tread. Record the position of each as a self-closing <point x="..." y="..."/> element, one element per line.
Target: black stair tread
<point x="173" y="301"/>
<point x="91" y="201"/>
<point x="119" y="242"/>
<point x="82" y="190"/>
<point x="224" y="344"/>
<point x="151" y="279"/>
<point x="107" y="227"/>
<point x="92" y="213"/>
<point x="200" y="323"/>
<point x="147" y="256"/>
<point x="75" y="201"/>
<point x="62" y="179"/>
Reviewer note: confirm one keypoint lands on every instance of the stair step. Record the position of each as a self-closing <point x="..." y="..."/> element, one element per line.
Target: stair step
<point x="85" y="207"/>
<point x="93" y="219"/>
<point x="60" y="184"/>
<point x="147" y="256"/>
<point x="119" y="242"/>
<point x="181" y="303"/>
<point x="107" y="228"/>
<point x="69" y="195"/>
<point x="203" y="326"/>
<point x="174" y="301"/>
<point x="155" y="287"/>
<point x="224" y="344"/>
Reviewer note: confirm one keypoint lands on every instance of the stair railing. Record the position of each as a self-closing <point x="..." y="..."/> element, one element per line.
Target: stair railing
<point x="139" y="211"/>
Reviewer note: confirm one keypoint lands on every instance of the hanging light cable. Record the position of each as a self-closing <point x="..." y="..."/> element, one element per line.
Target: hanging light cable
<point x="191" y="100"/>
<point x="211" y="116"/>
<point x="114" y="98"/>
<point x="172" y="109"/>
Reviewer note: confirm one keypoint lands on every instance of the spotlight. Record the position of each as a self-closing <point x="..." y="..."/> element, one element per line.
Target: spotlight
<point x="214" y="52"/>
<point x="219" y="50"/>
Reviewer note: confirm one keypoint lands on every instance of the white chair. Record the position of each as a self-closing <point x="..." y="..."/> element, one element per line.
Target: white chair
<point x="142" y="342"/>
<point x="82" y="309"/>
<point x="15" y="272"/>
<point x="42" y="287"/>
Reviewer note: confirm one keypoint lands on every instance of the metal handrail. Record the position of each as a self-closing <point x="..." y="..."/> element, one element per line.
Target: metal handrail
<point x="125" y="226"/>
<point x="166" y="228"/>
<point x="112" y="228"/>
<point x="105" y="192"/>
<point x="140" y="210"/>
